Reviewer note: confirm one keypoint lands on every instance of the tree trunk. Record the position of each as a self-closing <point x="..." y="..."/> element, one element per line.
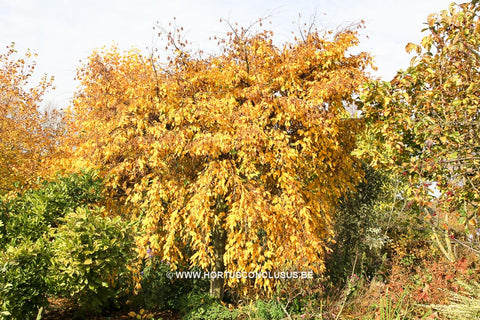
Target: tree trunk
<point x="219" y="240"/>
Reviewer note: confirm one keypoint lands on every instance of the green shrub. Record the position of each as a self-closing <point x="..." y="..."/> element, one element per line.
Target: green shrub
<point x="91" y="254"/>
<point x="25" y="254"/>
<point x="269" y="310"/>
<point x="369" y="223"/>
<point x="160" y="293"/>
<point x="23" y="284"/>
<point x="157" y="292"/>
<point x="31" y="214"/>
<point x="201" y="306"/>
<point x="264" y="310"/>
<point x="356" y="225"/>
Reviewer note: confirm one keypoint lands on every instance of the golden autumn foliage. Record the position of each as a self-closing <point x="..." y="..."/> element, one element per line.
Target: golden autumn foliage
<point x="25" y="137"/>
<point x="240" y="156"/>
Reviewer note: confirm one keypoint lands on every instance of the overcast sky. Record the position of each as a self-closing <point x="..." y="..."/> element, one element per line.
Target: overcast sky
<point x="64" y="32"/>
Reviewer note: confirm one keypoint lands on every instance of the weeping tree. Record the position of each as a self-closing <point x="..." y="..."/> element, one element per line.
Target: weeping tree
<point x="240" y="156"/>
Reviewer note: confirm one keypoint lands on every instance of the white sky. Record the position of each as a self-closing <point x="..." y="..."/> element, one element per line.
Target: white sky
<point x="64" y="32"/>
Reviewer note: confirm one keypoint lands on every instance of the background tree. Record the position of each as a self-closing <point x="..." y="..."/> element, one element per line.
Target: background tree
<point x="240" y="156"/>
<point x="24" y="141"/>
<point x="425" y="122"/>
<point x="374" y="225"/>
